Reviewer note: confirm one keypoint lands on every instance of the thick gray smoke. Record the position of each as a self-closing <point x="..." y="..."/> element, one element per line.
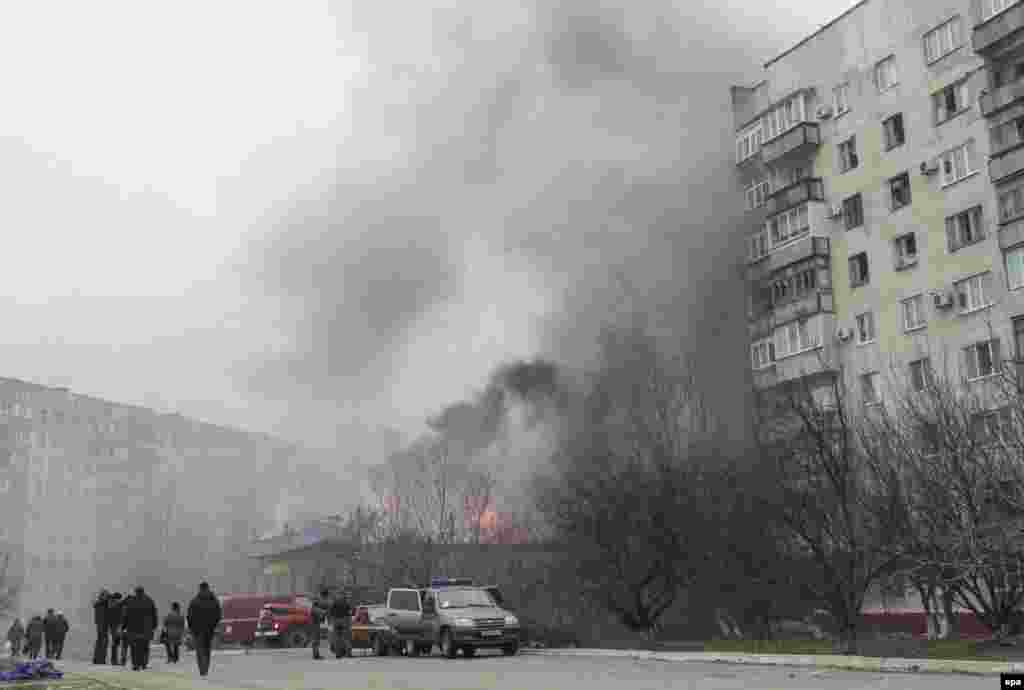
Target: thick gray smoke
<point x="589" y="142"/>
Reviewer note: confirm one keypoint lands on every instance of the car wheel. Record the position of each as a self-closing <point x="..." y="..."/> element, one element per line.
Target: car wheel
<point x="411" y="648"/>
<point x="296" y="639"/>
<point x="510" y="649"/>
<point x="469" y="652"/>
<point x="380" y="648"/>
<point x="448" y="648"/>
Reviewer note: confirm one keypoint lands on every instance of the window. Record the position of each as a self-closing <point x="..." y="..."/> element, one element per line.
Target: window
<point x="990" y="8"/>
<point x="893" y="130"/>
<point x="906" y="250"/>
<point x="958" y="164"/>
<point x="853" y="211"/>
<point x="899" y="191"/>
<point x="1011" y="203"/>
<point x="921" y="375"/>
<point x="865" y="328"/>
<point x="794" y="338"/>
<point x="762" y="353"/>
<point x="783" y="117"/>
<point x="1015" y="268"/>
<point x="806" y="280"/>
<point x="943" y="40"/>
<point x="981" y="359"/>
<point x="913" y="313"/>
<point x="758" y="246"/>
<point x="401" y="600"/>
<point x="791" y="175"/>
<point x="885" y="73"/>
<point x="859" y="270"/>
<point x="950" y="102"/>
<point x="757" y="193"/>
<point x="848" y="155"/>
<point x="869" y="387"/>
<point x="1018" y="338"/>
<point x="841" y="98"/>
<point x="964" y="229"/>
<point x="974" y="292"/>
<point x="988" y="427"/>
<point x="788" y="225"/>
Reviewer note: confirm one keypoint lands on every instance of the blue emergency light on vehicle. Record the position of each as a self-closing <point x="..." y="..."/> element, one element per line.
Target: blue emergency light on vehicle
<point x="451" y="582"/>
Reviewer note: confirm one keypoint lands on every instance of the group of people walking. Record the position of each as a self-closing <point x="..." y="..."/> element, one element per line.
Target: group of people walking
<point x="128" y="625"/>
<point x="50" y="630"/>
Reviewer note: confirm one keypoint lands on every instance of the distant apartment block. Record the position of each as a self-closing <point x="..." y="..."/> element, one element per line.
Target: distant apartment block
<point x="881" y="161"/>
<point x="100" y="494"/>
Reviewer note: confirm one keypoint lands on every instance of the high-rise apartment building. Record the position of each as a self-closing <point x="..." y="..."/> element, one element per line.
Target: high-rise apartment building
<point x="97" y="494"/>
<point x="882" y="163"/>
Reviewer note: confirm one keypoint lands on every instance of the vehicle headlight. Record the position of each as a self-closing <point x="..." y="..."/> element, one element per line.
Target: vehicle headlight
<point x="464" y="623"/>
<point x="511" y="620"/>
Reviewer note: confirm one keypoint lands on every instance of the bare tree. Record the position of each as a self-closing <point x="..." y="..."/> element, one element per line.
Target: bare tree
<point x="626" y="489"/>
<point x="955" y="445"/>
<point x="834" y="508"/>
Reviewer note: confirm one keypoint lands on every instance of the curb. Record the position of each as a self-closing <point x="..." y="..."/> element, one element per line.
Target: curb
<point x="823" y="661"/>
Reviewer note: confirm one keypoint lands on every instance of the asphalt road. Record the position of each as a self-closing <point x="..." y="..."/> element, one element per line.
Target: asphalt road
<point x="294" y="669"/>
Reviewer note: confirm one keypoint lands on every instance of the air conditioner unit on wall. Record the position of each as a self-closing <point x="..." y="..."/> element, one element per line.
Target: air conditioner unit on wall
<point x="824" y="112"/>
<point x="844" y="333"/>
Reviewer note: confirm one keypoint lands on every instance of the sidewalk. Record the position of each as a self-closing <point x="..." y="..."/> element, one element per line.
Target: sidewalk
<point x="851" y="663"/>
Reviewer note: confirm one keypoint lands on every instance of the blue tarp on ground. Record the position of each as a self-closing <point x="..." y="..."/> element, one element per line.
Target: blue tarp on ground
<point x="41" y="669"/>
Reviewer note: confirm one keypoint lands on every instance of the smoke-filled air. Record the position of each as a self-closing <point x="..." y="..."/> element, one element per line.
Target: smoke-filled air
<point x="512" y="179"/>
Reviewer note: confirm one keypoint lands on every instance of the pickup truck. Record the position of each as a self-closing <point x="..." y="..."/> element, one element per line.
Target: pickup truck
<point x="452" y="614"/>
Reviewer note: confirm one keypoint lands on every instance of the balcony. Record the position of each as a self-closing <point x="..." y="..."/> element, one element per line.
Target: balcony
<point x="994" y="101"/>
<point x="1011" y="234"/>
<point x="800" y="140"/>
<point x="811" y="189"/>
<point x="1006" y="165"/>
<point x="813" y="303"/>
<point x="999" y="33"/>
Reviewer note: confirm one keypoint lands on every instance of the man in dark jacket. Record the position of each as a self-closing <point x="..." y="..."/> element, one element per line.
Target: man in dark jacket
<point x="62" y="633"/>
<point x="115" y="619"/>
<point x="50" y="633"/>
<point x="340" y="616"/>
<point x="34" y="635"/>
<point x="204" y="615"/>
<point x="99" y="607"/>
<point x="140" y="621"/>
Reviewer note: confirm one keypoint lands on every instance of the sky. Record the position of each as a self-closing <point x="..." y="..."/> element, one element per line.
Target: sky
<point x="317" y="220"/>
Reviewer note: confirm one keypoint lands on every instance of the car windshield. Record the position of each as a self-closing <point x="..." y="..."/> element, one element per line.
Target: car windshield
<point x="460" y="598"/>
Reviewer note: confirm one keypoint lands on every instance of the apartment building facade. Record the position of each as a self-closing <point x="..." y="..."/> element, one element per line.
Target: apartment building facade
<point x="882" y="164"/>
<point x="100" y="494"/>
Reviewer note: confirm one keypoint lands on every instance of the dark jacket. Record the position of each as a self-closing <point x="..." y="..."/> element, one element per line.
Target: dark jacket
<point x="174" y="626"/>
<point x="115" y="614"/>
<point x="50" y="626"/>
<point x="35" y="629"/>
<point x="16" y="633"/>
<point x="62" y="627"/>
<point x="99" y="610"/>
<point x="204" y="613"/>
<point x="140" y="616"/>
<point x="340" y="609"/>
